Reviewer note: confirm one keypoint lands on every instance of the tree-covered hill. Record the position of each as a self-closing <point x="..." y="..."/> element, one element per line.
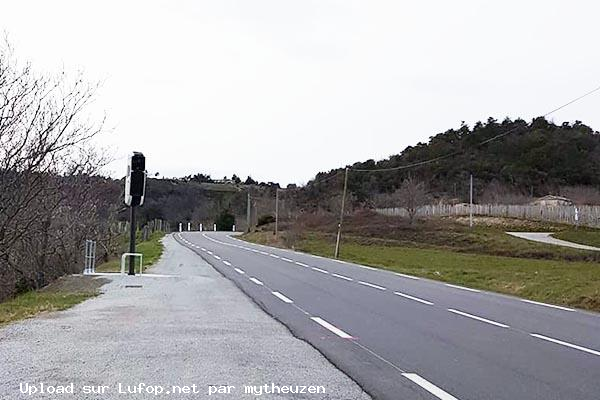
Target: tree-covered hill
<point x="532" y="159"/>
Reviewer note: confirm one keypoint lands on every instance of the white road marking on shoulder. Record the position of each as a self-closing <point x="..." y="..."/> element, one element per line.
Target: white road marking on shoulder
<point x="264" y="253"/>
<point x="217" y="257"/>
<point x="227" y="263"/>
<point x="209" y="252"/>
<point x="239" y="271"/>
<point x="203" y="249"/>
<point x="371" y="285"/>
<point x="282" y="297"/>
<point x="462" y="288"/>
<point x="331" y="328"/>
<point x="407" y="296"/>
<point x="301" y="264"/>
<point x="430" y="387"/>
<point x="573" y="346"/>
<point x="547" y="305"/>
<point x="274" y="255"/>
<point x="256" y="281"/>
<point x="287" y="259"/>
<point x="342" y="277"/>
<point x="407" y="276"/>
<point x="487" y="321"/>
<point x="319" y="270"/>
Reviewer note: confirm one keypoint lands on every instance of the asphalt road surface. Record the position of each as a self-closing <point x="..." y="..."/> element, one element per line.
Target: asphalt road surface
<point x="401" y="337"/>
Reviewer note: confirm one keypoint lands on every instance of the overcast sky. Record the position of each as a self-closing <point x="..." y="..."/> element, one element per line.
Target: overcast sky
<point x="280" y="89"/>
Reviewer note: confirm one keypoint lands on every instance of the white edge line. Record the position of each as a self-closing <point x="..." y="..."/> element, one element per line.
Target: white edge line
<point x="227" y="263"/>
<point x="547" y="305"/>
<point x="413" y="298"/>
<point x="415" y="278"/>
<point x="301" y="264"/>
<point x="462" y="288"/>
<point x="573" y="346"/>
<point x="256" y="281"/>
<point x="239" y="271"/>
<point x="319" y="270"/>
<point x="430" y="387"/>
<point x="475" y="317"/>
<point x="282" y="297"/>
<point x="331" y="328"/>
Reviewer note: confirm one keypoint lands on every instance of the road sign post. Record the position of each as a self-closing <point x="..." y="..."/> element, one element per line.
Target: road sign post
<point x="135" y="189"/>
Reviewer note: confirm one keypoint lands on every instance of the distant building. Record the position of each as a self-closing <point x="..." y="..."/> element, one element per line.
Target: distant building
<point x="552" y="201"/>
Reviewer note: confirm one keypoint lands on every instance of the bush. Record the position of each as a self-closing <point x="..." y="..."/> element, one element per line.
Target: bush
<point x="225" y="221"/>
<point x="265" y="219"/>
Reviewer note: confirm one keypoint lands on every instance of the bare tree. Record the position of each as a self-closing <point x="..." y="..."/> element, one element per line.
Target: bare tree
<point x="411" y="196"/>
<point x="44" y="149"/>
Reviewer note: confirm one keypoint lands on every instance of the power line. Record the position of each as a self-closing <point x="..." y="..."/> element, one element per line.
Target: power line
<point x="432" y="160"/>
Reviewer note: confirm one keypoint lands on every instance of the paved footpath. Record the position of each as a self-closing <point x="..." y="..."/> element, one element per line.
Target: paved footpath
<point x="546" y="237"/>
<point x="196" y="328"/>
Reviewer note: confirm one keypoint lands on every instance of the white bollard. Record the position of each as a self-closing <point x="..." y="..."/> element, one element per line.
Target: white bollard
<point x="180" y="227"/>
<point x="189" y="226"/>
<point x="201" y="228"/>
<point x="233" y="229"/>
<point x="215" y="227"/>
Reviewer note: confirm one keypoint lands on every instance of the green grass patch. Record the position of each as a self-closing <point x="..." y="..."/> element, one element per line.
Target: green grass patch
<point x="581" y="236"/>
<point x="555" y="281"/>
<point x="151" y="250"/>
<point x="59" y="295"/>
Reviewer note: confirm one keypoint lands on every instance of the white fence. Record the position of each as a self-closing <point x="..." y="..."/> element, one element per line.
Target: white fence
<point x="588" y="215"/>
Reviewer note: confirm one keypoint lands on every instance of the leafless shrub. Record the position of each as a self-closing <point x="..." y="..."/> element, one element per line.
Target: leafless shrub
<point x="581" y="194"/>
<point x="411" y="196"/>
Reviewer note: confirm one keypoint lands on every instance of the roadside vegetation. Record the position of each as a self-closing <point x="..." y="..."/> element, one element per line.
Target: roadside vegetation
<point x="59" y="295"/>
<point x="151" y="250"/>
<point x="446" y="249"/>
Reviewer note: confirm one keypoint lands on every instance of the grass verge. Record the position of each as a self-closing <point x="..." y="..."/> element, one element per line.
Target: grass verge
<point x="570" y="283"/>
<point x="151" y="249"/>
<point x="59" y="295"/>
<point x="581" y="236"/>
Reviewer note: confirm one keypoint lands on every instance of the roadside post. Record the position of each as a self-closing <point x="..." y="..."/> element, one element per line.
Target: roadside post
<point x="135" y="189"/>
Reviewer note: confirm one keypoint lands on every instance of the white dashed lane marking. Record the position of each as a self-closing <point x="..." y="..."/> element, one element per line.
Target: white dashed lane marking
<point x="239" y="271"/>
<point x="407" y="296"/>
<point x="227" y="263"/>
<point x="301" y="264"/>
<point x="480" y="319"/>
<point x="319" y="270"/>
<point x="371" y="285"/>
<point x="430" y="387"/>
<point x="347" y="278"/>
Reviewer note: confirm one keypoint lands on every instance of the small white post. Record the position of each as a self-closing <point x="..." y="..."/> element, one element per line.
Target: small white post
<point x="189" y="226"/>
<point x="180" y="227"/>
<point x="215" y="227"/>
<point x="201" y="227"/>
<point x="233" y="229"/>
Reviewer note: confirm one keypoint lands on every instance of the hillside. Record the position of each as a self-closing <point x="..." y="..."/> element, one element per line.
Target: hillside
<point x="527" y="159"/>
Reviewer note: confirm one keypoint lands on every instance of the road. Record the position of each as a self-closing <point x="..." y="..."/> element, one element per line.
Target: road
<point x="401" y="337"/>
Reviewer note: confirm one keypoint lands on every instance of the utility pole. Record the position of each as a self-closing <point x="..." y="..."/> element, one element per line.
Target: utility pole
<point x="248" y="208"/>
<point x="471" y="201"/>
<point x="339" y="234"/>
<point x="276" y="211"/>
